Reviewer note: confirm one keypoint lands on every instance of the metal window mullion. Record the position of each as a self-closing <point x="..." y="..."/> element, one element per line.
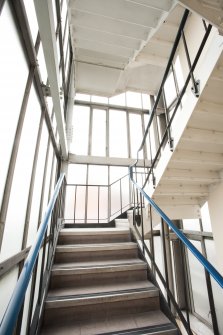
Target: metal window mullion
<point x="86" y="194"/>
<point x="128" y="134"/>
<point x="143" y="131"/>
<point x="43" y="183"/>
<point x="90" y="130"/>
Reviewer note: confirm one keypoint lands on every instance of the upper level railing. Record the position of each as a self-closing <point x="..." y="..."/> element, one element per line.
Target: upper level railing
<point x="170" y="111"/>
<point x="48" y="231"/>
<point x="98" y="204"/>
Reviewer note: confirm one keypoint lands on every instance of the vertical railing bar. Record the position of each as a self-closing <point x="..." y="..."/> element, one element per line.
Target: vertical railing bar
<point x="120" y="183"/>
<point x="186" y="286"/>
<point x="98" y="202"/>
<point x="142" y="226"/>
<point x="165" y="258"/>
<point x="152" y="241"/>
<point x="75" y="201"/>
<point x="189" y="61"/>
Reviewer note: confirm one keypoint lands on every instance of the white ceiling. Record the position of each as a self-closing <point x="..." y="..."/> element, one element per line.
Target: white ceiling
<point x="121" y="45"/>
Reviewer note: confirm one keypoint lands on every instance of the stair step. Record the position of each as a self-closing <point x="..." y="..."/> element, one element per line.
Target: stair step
<point x="85" y="235"/>
<point x="100" y="263"/>
<point x="101" y="288"/>
<point x="96" y="252"/>
<point x="151" y="322"/>
<point x="98" y="277"/>
<point x="75" y="309"/>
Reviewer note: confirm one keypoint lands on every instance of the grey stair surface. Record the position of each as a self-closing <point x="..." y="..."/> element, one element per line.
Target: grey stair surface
<point x="99" y="285"/>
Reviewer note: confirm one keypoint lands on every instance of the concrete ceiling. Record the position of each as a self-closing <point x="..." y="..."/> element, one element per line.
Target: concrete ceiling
<point x="121" y="45"/>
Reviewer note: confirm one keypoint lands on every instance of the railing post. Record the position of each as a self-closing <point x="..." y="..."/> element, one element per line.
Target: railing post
<point x="196" y="83"/>
<point x="121" y="195"/>
<point x="98" y="202"/>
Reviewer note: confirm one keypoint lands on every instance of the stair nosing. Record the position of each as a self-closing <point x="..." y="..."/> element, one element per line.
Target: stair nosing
<point x="108" y="298"/>
<point x="161" y="328"/>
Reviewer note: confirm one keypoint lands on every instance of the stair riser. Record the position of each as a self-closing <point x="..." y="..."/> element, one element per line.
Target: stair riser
<point x="78" y="239"/>
<point x="65" y="257"/>
<point x="99" y="311"/>
<point x="97" y="279"/>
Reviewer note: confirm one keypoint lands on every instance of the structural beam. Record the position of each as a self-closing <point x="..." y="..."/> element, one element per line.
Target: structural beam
<point x="44" y="12"/>
<point x="78" y="159"/>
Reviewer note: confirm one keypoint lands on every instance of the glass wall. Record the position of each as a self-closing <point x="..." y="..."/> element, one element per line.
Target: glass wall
<point x="104" y="130"/>
<point x="28" y="153"/>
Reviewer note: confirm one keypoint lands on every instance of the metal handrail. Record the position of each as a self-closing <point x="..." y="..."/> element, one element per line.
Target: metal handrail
<point x="206" y="264"/>
<point x="10" y="317"/>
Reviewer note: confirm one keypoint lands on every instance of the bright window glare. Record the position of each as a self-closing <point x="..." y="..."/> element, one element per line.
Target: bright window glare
<point x="146" y="104"/>
<point x="80" y="123"/>
<point x="99" y="132"/>
<point x="117" y="100"/>
<point x="96" y="98"/>
<point x="134" y="99"/>
<point x="118" y="134"/>
<point x="83" y="97"/>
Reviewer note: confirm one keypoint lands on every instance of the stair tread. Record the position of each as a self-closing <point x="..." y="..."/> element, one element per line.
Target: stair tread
<point x="94" y="289"/>
<point x="93" y="231"/>
<point x="95" y="247"/>
<point x="102" y="298"/>
<point x="66" y="269"/>
<point x="111" y="324"/>
<point x="93" y="263"/>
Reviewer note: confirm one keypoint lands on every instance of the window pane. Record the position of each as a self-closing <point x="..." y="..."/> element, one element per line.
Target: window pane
<point x="117" y="172"/>
<point x="80" y="121"/>
<point x="99" y="133"/>
<point x="83" y="97"/>
<point x="217" y="290"/>
<point x="31" y="14"/>
<point x="199" y="288"/>
<point x="13" y="79"/>
<point x="97" y="175"/>
<point x="118" y="100"/>
<point x="170" y="89"/>
<point x="16" y="213"/>
<point x="191" y="224"/>
<point x="117" y="134"/>
<point x="34" y="215"/>
<point x="102" y="100"/>
<point x="77" y="174"/>
<point x="135" y="134"/>
<point x="206" y="221"/>
<point x="134" y="99"/>
<point x="146" y="104"/>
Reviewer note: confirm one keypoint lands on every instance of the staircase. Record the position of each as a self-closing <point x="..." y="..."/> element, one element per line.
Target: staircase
<point x="99" y="285"/>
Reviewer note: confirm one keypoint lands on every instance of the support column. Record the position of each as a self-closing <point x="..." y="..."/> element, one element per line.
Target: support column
<point x="44" y="13"/>
<point x="215" y="205"/>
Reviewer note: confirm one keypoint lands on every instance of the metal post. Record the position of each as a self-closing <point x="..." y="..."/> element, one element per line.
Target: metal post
<point x="195" y="87"/>
<point x="165" y="258"/>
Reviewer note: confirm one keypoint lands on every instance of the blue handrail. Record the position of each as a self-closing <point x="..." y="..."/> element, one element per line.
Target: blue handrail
<point x="207" y="265"/>
<point x="11" y="314"/>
